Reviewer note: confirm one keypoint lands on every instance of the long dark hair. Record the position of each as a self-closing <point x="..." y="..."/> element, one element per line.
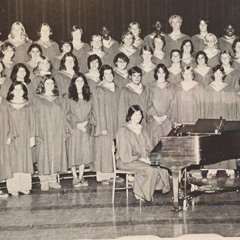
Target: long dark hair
<point x="15" y="69"/>
<point x="41" y="86"/>
<point x="72" y="90"/>
<point x="10" y="94"/>
<point x="63" y="60"/>
<point x="132" y="110"/>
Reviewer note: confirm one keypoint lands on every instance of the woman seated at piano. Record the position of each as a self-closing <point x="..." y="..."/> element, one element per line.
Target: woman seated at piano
<point x="133" y="149"/>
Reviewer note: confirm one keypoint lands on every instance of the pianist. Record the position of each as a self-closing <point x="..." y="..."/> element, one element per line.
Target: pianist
<point x="133" y="148"/>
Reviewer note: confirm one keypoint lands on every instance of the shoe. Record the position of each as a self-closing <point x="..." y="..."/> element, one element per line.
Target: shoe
<point x="15" y="194"/>
<point x="54" y="185"/>
<point x="25" y="192"/>
<point x="105" y="182"/>
<point x="3" y="194"/>
<point x="84" y="183"/>
<point x="76" y="183"/>
<point x="44" y="186"/>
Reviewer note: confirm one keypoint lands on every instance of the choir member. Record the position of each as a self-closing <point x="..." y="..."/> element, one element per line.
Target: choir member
<point x="187" y="50"/>
<point x="8" y="52"/>
<point x="198" y="40"/>
<point x="133" y="150"/>
<point x="80" y="48"/>
<point x="211" y="49"/>
<point x="51" y="133"/>
<point x="19" y="39"/>
<point x="203" y="73"/>
<point x="80" y="118"/>
<point x="5" y="82"/>
<point x="176" y="37"/>
<point x="161" y="107"/>
<point x="68" y="68"/>
<point x="236" y="56"/>
<point x="121" y="61"/>
<point x="49" y="47"/>
<point x="106" y="98"/>
<point x="175" y="68"/>
<point x="22" y="112"/>
<point x="135" y="28"/>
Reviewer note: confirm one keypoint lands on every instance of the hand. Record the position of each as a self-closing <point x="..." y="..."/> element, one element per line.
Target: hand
<point x="32" y="141"/>
<point x="104" y="132"/>
<point x="9" y="140"/>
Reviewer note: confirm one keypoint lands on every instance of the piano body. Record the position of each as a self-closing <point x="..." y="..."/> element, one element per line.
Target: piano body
<point x="206" y="142"/>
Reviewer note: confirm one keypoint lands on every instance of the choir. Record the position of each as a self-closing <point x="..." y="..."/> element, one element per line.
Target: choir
<point x="63" y="106"/>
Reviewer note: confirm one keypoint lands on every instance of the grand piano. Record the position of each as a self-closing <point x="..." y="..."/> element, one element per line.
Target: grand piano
<point x="206" y="142"/>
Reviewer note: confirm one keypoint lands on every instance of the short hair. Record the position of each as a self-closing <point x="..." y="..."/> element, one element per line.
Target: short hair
<point x="63" y="43"/>
<point x="10" y="94"/>
<point x="63" y="60"/>
<point x="133" y="70"/>
<point x="187" y="41"/>
<point x="75" y="28"/>
<point x="92" y="58"/>
<point x="36" y="69"/>
<point x="122" y="56"/>
<point x="179" y="18"/>
<point x="229" y="54"/>
<point x="164" y="68"/>
<point x="201" y="53"/>
<point x="95" y="36"/>
<point x="2" y="74"/>
<point x="176" y="50"/>
<point x="72" y="90"/>
<point x="103" y="68"/>
<point x="44" y="25"/>
<point x="146" y="48"/>
<point x="132" y="110"/>
<point x="41" y="86"/>
<point x="126" y="34"/>
<point x="34" y="45"/>
<point x="134" y="23"/>
<point x="234" y="44"/>
<point x="14" y="72"/>
<point x="159" y="36"/>
<point x="186" y="68"/>
<point x="5" y="46"/>
<point x="216" y="68"/>
<point x="211" y="35"/>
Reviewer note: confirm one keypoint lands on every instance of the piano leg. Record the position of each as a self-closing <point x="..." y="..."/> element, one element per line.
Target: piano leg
<point x="175" y="179"/>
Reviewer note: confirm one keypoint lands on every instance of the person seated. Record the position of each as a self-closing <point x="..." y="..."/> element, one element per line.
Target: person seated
<point x="133" y="148"/>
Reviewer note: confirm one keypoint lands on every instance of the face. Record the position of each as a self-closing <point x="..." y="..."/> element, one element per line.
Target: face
<point x="79" y="84"/>
<point x="146" y="55"/>
<point x="157" y="26"/>
<point x="161" y="74"/>
<point x="135" y="30"/>
<point x="35" y="53"/>
<point x="136" y="78"/>
<point x="201" y="59"/>
<point x="97" y="43"/>
<point x="18" y="91"/>
<point x="211" y="42"/>
<point x="44" y="65"/>
<point x="121" y="64"/>
<point x="49" y="85"/>
<point x="237" y="47"/>
<point x="158" y="43"/>
<point x="225" y="59"/>
<point x="105" y="33"/>
<point x="69" y="62"/>
<point x="187" y="47"/>
<point x="66" y="48"/>
<point x="21" y="73"/>
<point x="16" y="31"/>
<point x="136" y="117"/>
<point x="218" y="75"/>
<point x="187" y="75"/>
<point x="9" y="52"/>
<point x="202" y="26"/>
<point x="230" y="31"/>
<point x="94" y="65"/>
<point x="77" y="35"/>
<point x="176" y="24"/>
<point x="175" y="57"/>
<point x="45" y="31"/>
<point x="108" y="76"/>
<point x="128" y="40"/>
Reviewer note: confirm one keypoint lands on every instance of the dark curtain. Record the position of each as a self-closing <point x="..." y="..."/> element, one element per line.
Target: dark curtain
<point x="91" y="15"/>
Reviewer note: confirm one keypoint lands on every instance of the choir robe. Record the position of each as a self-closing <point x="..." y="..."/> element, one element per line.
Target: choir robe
<point x="120" y="80"/>
<point x="79" y="144"/>
<point x="20" y="55"/>
<point x="198" y="43"/>
<point x="165" y="60"/>
<point x="138" y="43"/>
<point x="147" y="74"/>
<point x="63" y="80"/>
<point x="80" y="54"/>
<point x="148" y="40"/>
<point x="20" y="150"/>
<point x="174" y="44"/>
<point x="225" y="44"/>
<point x="205" y="79"/>
<point x="131" y="147"/>
<point x="174" y="78"/>
<point x="233" y="79"/>
<point x="7" y="131"/>
<point x="5" y="84"/>
<point x="223" y="104"/>
<point x="162" y="102"/>
<point x="8" y="68"/>
<point x="105" y="109"/>
<point x="236" y="64"/>
<point x="190" y="62"/>
<point x="128" y="98"/>
<point x="51" y="135"/>
<point x="189" y="104"/>
<point x="111" y="48"/>
<point x="50" y="49"/>
<point x="213" y="60"/>
<point x="30" y="68"/>
<point x="92" y="82"/>
<point x="56" y="64"/>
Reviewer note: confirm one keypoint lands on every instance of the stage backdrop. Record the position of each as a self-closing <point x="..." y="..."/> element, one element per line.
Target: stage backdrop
<point x="91" y="15"/>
